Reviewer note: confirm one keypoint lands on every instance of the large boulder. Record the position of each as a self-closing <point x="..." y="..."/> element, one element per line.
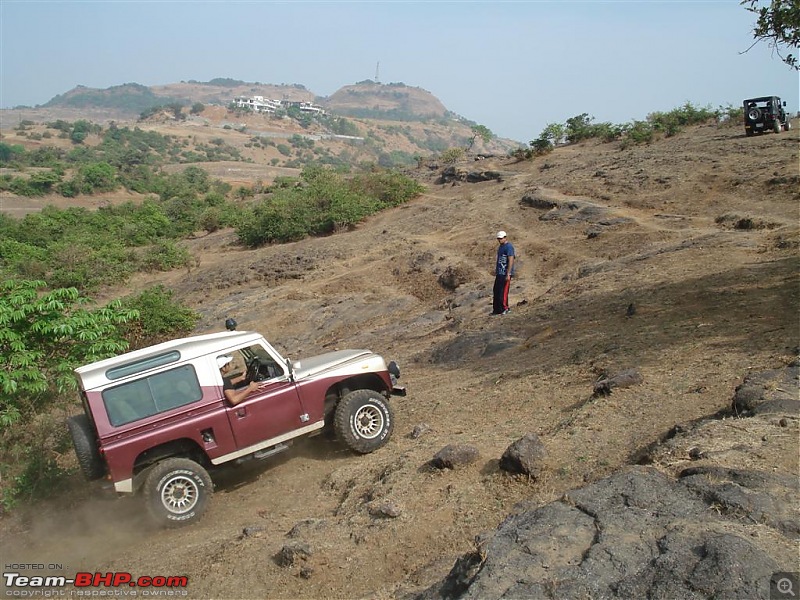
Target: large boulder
<point x="636" y="534"/>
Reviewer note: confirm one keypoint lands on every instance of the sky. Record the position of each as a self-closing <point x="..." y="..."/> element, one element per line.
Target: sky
<point x="512" y="66"/>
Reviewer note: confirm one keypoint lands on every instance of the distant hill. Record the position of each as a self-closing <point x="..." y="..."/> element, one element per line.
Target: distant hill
<point x="398" y="121"/>
<point x="395" y="101"/>
<point x="131" y="97"/>
<point x="366" y="99"/>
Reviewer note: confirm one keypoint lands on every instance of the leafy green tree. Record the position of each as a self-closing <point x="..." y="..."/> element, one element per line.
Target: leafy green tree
<point x="9" y="152"/>
<point x="44" y="336"/>
<point x="479" y="131"/>
<point x="98" y="177"/>
<point x="579" y="127"/>
<point x="778" y="24"/>
<point x="161" y="317"/>
<point x="197" y="108"/>
<point x="452" y="155"/>
<point x="80" y="129"/>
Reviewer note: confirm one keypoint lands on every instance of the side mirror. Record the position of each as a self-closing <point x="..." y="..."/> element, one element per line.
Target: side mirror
<point x="291" y="366"/>
<point x="230" y="324"/>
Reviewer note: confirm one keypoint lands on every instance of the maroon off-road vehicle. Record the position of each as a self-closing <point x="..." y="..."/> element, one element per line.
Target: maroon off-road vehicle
<point x="157" y="420"/>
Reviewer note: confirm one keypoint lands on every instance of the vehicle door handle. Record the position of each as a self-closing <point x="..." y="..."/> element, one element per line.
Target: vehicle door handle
<point x="241" y="413"/>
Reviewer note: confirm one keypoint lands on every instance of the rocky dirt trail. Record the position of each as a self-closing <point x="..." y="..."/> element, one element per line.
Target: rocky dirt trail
<point x="679" y="260"/>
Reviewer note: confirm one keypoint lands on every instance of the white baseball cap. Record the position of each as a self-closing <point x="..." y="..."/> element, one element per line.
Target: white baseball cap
<point x="223" y="360"/>
<point x="501" y="234"/>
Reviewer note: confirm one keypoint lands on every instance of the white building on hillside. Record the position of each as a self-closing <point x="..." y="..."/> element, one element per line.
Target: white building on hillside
<point x="268" y="105"/>
<point x="258" y="104"/>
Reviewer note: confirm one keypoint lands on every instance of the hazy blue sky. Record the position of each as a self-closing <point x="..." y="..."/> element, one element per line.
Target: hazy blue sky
<point x="511" y="66"/>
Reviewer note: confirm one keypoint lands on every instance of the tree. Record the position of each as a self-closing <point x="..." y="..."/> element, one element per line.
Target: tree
<point x="80" y="129"/>
<point x="479" y="131"/>
<point x="579" y="127"/>
<point x="452" y="155"/>
<point x="778" y="24"/>
<point x="43" y="337"/>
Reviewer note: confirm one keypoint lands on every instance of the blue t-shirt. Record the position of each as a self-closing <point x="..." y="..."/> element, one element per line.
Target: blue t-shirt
<point x="503" y="252"/>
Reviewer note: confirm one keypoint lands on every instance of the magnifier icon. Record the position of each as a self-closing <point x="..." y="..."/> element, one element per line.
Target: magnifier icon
<point x="784" y="586"/>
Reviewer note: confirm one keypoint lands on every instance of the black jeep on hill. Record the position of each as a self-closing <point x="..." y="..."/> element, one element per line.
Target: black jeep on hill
<point x="765" y="114"/>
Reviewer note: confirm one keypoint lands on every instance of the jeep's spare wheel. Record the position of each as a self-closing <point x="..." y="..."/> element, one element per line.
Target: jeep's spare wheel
<point x="754" y="114"/>
<point x="177" y="491"/>
<point x="85" y="442"/>
<point x="364" y="421"/>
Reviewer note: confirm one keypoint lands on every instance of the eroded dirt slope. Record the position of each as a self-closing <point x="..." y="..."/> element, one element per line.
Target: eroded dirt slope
<point x="679" y="259"/>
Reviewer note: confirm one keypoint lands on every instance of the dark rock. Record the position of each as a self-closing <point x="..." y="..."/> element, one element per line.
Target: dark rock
<point x="636" y="534"/>
<point x="306" y="572"/>
<point x="767" y="392"/>
<point x="535" y="200"/>
<point x="453" y="277"/>
<point x="477" y="176"/>
<point x="455" y="455"/>
<point x="524" y="456"/>
<point x="419" y="430"/>
<point x="252" y="531"/>
<point x="696" y="454"/>
<point x="753" y="496"/>
<point x="291" y="553"/>
<point x="386" y="509"/>
<point x="623" y="379"/>
<point x="306" y="525"/>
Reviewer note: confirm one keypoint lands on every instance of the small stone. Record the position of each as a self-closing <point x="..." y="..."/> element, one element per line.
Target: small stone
<point x="696" y="453"/>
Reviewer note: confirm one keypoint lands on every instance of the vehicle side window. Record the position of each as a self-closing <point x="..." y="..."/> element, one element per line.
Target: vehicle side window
<point x="267" y="367"/>
<point x="152" y="395"/>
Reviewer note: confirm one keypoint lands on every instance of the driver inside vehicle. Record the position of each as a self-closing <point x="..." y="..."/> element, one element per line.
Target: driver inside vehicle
<point x="235" y="387"/>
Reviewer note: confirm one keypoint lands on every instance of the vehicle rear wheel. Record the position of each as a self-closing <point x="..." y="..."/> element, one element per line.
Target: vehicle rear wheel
<point x="776" y="126"/>
<point x="85" y="442"/>
<point x="177" y="491"/>
<point x="364" y="421"/>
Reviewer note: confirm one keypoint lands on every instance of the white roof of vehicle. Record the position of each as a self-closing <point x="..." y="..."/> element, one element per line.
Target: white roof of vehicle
<point x="94" y="374"/>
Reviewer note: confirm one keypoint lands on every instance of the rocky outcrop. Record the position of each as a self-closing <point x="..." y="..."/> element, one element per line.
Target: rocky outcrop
<point x="706" y="531"/>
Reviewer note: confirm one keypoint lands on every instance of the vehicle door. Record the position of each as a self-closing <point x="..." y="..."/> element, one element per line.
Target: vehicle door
<point x="271" y="411"/>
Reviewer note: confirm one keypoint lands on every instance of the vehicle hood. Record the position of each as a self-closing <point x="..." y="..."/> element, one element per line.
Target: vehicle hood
<point x="314" y="365"/>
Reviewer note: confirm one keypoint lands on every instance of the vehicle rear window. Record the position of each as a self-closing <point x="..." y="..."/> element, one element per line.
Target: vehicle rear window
<point x="151" y="395"/>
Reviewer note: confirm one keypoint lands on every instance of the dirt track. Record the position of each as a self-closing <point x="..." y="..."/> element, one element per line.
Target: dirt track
<point x="663" y="228"/>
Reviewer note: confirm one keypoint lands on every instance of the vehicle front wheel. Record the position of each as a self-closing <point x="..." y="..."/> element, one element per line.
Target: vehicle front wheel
<point x="787" y="126"/>
<point x="177" y="491"/>
<point x="364" y="421"/>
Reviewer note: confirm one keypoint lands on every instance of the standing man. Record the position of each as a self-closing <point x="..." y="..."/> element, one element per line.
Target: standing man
<point x="503" y="272"/>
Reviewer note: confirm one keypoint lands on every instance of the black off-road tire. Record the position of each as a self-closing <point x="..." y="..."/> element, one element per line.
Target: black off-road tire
<point x="177" y="491"/>
<point x="776" y="126"/>
<point x="754" y="114"/>
<point x="364" y="421"/>
<point x="85" y="443"/>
